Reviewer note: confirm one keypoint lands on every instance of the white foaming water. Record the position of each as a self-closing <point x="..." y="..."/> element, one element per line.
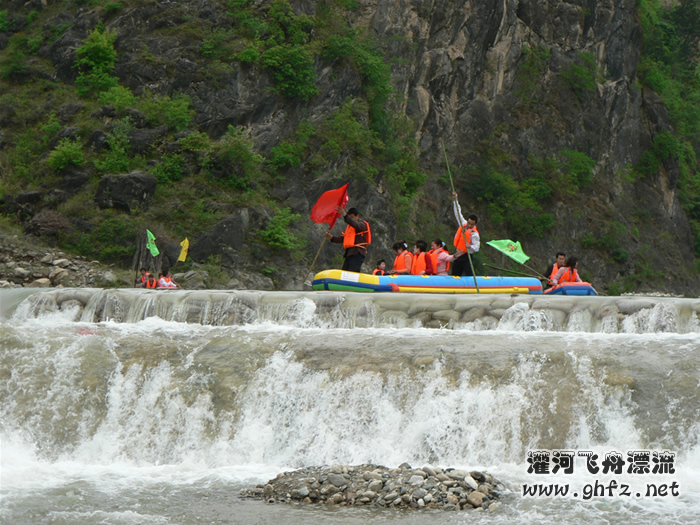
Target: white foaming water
<point x="660" y="318"/>
<point x="160" y="415"/>
<point x="521" y="318"/>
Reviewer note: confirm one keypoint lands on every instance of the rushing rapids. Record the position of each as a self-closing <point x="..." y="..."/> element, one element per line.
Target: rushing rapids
<point x="131" y="406"/>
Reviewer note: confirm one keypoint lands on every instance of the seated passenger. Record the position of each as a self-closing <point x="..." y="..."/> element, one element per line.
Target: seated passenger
<point x="422" y="264"/>
<point x="440" y="258"/>
<point x="568" y="272"/>
<point x="403" y="261"/>
<point x="381" y="268"/>
<point x="166" y="282"/>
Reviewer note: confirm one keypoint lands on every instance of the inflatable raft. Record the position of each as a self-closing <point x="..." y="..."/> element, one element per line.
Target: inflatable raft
<point x="572" y="289"/>
<point x="339" y="280"/>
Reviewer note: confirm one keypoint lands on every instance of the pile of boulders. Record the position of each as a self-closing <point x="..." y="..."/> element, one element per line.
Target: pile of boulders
<point x="47" y="267"/>
<point x="402" y="487"/>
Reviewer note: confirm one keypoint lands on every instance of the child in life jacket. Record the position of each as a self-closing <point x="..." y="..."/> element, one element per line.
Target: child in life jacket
<point x="381" y="268"/>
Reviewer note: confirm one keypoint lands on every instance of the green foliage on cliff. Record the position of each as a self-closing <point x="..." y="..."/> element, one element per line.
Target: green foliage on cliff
<point x="669" y="66"/>
<point x="4" y="21"/>
<point x="95" y="63"/>
<point x="292" y="67"/>
<point x="533" y="66"/>
<point x="67" y="153"/>
<point x="118" y="157"/>
<point x="375" y="71"/>
<point x="279" y="232"/>
<point x="582" y="74"/>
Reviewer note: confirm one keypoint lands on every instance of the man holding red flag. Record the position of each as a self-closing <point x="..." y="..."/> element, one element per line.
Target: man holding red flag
<point x="356" y="238"/>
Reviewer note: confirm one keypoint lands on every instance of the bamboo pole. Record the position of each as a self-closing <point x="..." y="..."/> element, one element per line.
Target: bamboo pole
<point x="464" y="235"/>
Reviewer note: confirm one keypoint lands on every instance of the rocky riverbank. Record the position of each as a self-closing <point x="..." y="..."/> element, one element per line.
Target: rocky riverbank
<point x="402" y="487"/>
<point x="37" y="266"/>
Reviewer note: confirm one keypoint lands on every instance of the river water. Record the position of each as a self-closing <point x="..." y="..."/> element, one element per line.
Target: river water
<point x="140" y="407"/>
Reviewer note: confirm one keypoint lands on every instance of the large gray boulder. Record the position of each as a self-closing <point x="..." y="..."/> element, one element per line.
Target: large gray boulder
<point x="228" y="234"/>
<point x="126" y="192"/>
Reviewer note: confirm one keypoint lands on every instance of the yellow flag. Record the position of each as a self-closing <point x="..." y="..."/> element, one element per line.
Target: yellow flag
<point x="183" y="253"/>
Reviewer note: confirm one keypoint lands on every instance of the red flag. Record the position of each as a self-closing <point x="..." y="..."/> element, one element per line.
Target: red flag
<point x="325" y="209"/>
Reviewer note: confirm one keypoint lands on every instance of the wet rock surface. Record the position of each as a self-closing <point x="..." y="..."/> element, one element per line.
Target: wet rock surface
<point x="378" y="486"/>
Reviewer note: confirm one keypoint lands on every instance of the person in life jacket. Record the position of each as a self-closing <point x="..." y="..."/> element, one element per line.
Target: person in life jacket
<point x="151" y="282"/>
<point x="355" y="239"/>
<point x="381" y="268"/>
<point x="141" y="279"/>
<point x="403" y="261"/>
<point x="165" y="281"/>
<point x="467" y="241"/>
<point x="422" y="263"/>
<point x="568" y="273"/>
<point x="553" y="268"/>
<point x="440" y="257"/>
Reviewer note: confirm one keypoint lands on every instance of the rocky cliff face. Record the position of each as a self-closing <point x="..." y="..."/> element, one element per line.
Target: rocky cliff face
<point x="514" y="87"/>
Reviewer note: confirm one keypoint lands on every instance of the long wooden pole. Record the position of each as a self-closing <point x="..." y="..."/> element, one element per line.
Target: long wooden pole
<point x="510" y="271"/>
<point x="464" y="235"/>
<point x="306" y="280"/>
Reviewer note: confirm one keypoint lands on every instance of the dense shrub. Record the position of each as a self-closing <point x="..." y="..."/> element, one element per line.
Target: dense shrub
<point x="280" y="232"/>
<point x="95" y="63"/>
<point x="292" y="68"/>
<point x="170" y="168"/>
<point x="119" y="97"/>
<point x="68" y="152"/>
<point x="176" y="112"/>
<point x="233" y="154"/>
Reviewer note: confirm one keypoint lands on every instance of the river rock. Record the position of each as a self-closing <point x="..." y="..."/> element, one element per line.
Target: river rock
<point x="21" y="272"/>
<point x="416" y="480"/>
<point x="62" y="263"/>
<point x="471" y="482"/>
<point x="58" y="275"/>
<point x="376" y="485"/>
<point x="337" y="480"/>
<point x="40" y="283"/>
<point x="475" y="498"/>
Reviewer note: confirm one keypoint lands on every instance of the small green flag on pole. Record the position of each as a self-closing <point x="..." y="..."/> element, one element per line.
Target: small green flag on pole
<point x="511" y="248"/>
<point x="151" y="244"/>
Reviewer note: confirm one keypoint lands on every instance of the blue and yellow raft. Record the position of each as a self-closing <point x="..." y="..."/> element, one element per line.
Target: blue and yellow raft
<point x="339" y="280"/>
<point x="572" y="289"/>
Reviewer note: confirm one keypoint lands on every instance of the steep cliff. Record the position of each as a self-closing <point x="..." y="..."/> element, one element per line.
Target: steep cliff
<point x="244" y="112"/>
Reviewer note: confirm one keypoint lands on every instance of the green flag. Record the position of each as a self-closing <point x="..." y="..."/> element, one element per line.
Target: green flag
<point x="511" y="248"/>
<point x="151" y="244"/>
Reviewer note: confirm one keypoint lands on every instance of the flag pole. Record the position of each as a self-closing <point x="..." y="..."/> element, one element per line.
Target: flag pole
<point x="464" y="235"/>
<point x="510" y="271"/>
<point x="306" y="275"/>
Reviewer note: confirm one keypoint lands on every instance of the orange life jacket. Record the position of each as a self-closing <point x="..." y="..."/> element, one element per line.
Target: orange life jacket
<point x="400" y="261"/>
<point x="145" y="277"/>
<point x="377" y="271"/>
<point x="459" y="238"/>
<point x="555" y="269"/>
<point x="352" y="238"/>
<point x="568" y="276"/>
<point x="434" y="260"/>
<point x="418" y="265"/>
<point x="152" y="282"/>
